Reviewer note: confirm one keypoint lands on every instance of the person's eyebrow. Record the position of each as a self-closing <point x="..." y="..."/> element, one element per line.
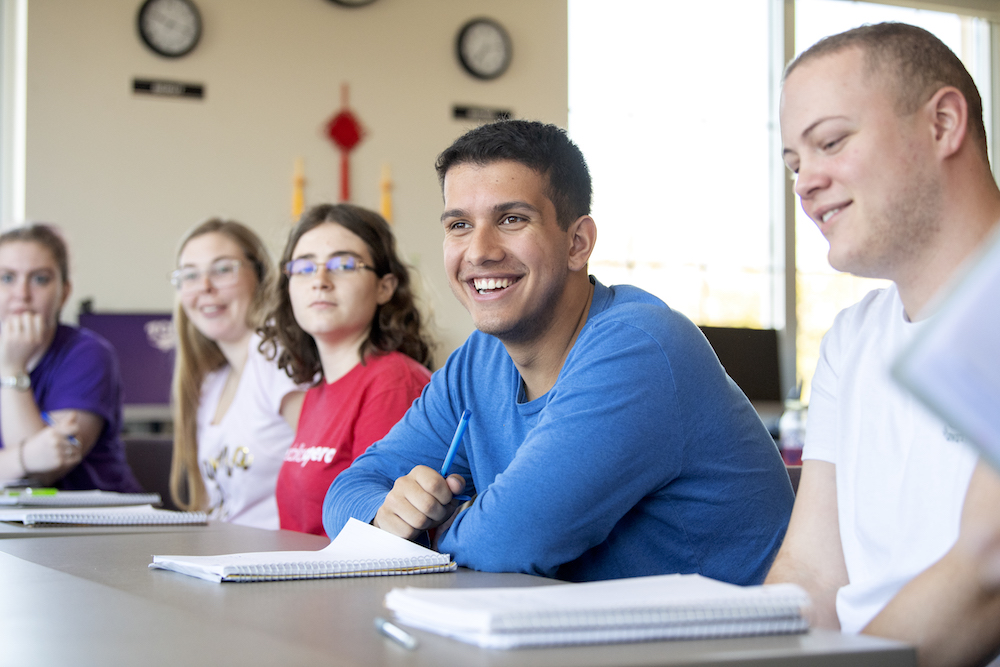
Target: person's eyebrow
<point x="514" y="205"/>
<point x="497" y="209"/>
<point x="809" y="130"/>
<point x="210" y="262"/>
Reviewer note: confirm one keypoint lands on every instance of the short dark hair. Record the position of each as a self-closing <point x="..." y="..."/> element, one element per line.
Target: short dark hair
<point x="912" y="60"/>
<point x="538" y="146"/>
<point x="47" y="236"/>
<point x="397" y="324"/>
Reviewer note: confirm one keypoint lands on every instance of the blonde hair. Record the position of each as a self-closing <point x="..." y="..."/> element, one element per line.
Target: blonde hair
<point x="198" y="355"/>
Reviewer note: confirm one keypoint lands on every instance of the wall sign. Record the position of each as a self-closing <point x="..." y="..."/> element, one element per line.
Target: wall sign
<point x="484" y="114"/>
<point x="162" y="88"/>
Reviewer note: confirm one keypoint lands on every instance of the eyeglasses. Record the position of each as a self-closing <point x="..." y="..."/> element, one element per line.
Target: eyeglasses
<point x="338" y="264"/>
<point x="222" y="273"/>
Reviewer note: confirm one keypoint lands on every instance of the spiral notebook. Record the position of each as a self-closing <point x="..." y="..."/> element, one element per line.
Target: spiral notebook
<point x="360" y="550"/>
<point x="675" y="606"/>
<point x="140" y="515"/>
<point x="51" y="498"/>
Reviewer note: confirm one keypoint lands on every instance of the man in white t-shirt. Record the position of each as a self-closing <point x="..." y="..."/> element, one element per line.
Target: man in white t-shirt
<point x="895" y="519"/>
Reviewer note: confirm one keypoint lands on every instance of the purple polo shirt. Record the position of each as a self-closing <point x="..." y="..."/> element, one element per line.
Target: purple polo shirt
<point x="79" y="371"/>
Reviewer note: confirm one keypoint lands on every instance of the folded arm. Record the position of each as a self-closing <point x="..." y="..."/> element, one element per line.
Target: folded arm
<point x="951" y="611"/>
<point x="52" y="451"/>
<point x="812" y="555"/>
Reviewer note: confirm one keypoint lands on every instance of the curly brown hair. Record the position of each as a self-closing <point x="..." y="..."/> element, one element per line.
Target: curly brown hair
<point x="397" y="325"/>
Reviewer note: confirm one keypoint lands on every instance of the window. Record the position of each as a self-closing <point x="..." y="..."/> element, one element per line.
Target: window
<point x="670" y="107"/>
<point x="674" y="106"/>
<point x="13" y="57"/>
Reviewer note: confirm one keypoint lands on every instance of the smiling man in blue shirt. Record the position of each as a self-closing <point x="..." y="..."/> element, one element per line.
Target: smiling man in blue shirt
<point x="606" y="440"/>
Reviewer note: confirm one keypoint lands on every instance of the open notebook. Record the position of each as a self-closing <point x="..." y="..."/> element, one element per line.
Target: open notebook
<point x="673" y="606"/>
<point x="139" y="515"/>
<point x="360" y="550"/>
<point x="95" y="498"/>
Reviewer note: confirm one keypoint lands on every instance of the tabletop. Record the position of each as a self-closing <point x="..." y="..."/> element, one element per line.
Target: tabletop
<point x="91" y="599"/>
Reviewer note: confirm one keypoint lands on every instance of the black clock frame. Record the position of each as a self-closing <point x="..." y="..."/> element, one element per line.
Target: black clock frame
<point x="469" y="25"/>
<point x="153" y="47"/>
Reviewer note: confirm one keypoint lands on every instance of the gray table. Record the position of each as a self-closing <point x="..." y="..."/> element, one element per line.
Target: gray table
<point x="90" y="599"/>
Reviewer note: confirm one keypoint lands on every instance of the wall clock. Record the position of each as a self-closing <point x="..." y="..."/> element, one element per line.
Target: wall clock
<point x="170" y="28"/>
<point x="484" y="48"/>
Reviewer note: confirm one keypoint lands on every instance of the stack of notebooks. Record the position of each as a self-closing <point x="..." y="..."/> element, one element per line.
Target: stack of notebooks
<point x="360" y="550"/>
<point x="48" y="507"/>
<point x="672" y="606"/>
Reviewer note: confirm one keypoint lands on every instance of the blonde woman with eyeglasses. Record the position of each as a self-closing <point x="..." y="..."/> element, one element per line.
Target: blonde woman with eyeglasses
<point x="347" y="322"/>
<point x="235" y="411"/>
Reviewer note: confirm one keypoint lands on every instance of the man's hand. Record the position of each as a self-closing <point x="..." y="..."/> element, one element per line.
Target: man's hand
<point x="418" y="501"/>
<point x="22" y="336"/>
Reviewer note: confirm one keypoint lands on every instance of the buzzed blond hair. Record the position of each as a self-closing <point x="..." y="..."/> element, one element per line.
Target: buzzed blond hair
<point x="912" y="60"/>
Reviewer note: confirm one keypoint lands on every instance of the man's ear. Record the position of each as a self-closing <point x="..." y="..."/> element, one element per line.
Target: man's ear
<point x="582" y="235"/>
<point x="387" y="285"/>
<point x="949" y="114"/>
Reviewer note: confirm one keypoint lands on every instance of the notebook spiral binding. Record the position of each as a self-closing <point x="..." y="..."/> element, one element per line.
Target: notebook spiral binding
<point x="726" y="612"/>
<point x="162" y="518"/>
<point x="336" y="569"/>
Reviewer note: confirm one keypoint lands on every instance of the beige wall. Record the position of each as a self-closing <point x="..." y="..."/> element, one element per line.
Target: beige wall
<point x="125" y="175"/>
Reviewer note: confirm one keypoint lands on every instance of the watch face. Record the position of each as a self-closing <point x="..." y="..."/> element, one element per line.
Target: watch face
<point x="171" y="28"/>
<point x="484" y="48"/>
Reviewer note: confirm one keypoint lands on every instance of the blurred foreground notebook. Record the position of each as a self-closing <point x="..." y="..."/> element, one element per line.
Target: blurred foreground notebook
<point x="953" y="363"/>
<point x="360" y="550"/>
<point x="673" y="606"/>
<point x="138" y="515"/>
<point x="51" y="498"/>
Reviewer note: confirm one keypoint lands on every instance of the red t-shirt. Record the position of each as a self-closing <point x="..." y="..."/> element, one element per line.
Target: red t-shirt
<point x="337" y="424"/>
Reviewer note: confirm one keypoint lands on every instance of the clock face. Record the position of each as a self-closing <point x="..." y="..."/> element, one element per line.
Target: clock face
<point x="484" y="48"/>
<point x="171" y="28"/>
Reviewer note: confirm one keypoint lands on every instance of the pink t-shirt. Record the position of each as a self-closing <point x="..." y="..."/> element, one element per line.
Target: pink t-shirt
<point x="339" y="421"/>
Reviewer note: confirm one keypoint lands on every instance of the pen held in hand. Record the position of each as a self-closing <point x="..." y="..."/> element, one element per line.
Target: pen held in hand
<point x="463" y="424"/>
<point x="47" y="418"/>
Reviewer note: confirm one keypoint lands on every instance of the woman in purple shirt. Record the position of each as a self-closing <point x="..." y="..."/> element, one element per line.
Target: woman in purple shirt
<point x="60" y="390"/>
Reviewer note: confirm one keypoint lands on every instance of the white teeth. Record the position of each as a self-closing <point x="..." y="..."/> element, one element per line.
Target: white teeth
<point x="829" y="214"/>
<point x="482" y="284"/>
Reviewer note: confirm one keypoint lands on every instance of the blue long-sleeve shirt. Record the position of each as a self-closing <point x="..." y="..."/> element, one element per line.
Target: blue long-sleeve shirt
<point x="644" y="458"/>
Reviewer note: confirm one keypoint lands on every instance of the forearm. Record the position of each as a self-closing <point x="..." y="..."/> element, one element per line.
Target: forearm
<point x="355" y="493"/>
<point x="822" y="591"/>
<point x="10" y="463"/>
<point x="945" y="613"/>
<point x="21" y="417"/>
<point x="950" y="611"/>
<point x="812" y="554"/>
<point x="14" y="464"/>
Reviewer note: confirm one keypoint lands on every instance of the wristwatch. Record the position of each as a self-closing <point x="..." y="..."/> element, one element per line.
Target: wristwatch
<point x="21" y="381"/>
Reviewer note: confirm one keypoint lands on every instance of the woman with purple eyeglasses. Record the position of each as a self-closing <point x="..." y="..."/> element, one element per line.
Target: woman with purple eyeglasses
<point x="345" y="320"/>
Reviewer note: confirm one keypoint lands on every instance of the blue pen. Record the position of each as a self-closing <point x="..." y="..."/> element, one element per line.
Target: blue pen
<point x="47" y="418"/>
<point x="463" y="424"/>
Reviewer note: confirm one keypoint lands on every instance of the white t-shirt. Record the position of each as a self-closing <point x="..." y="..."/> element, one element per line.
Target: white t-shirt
<point x="241" y="455"/>
<point x="902" y="473"/>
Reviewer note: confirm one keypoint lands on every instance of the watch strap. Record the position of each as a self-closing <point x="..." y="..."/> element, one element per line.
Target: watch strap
<point x="21" y="381"/>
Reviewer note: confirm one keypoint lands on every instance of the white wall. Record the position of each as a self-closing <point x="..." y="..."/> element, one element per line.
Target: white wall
<point x="125" y="175"/>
